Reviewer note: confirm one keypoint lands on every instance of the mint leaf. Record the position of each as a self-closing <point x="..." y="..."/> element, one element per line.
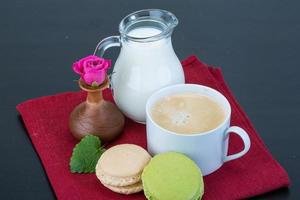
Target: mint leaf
<point x="86" y="155"/>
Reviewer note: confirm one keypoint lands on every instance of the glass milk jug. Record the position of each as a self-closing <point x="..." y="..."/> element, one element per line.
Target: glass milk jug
<point x="147" y="61"/>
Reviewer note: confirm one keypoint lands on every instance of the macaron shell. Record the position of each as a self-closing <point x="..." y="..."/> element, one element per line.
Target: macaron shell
<point x="130" y="189"/>
<point x="116" y="181"/>
<point x="125" y="160"/>
<point x="172" y="176"/>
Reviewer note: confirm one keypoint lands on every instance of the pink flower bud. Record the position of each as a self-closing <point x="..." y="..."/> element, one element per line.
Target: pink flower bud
<point x="92" y="69"/>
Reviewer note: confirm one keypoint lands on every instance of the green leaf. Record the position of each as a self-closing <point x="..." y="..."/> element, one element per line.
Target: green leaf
<point x="95" y="84"/>
<point x="86" y="155"/>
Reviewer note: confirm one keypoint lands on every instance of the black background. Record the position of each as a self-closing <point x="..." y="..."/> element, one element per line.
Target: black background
<point x="256" y="42"/>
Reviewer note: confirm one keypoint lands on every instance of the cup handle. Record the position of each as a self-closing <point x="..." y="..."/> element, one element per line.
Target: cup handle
<point x="243" y="134"/>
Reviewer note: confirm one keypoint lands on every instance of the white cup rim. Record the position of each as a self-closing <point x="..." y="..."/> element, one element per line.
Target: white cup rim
<point x="153" y="96"/>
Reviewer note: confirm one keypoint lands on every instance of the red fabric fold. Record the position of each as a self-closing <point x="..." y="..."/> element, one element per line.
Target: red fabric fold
<point x="46" y="120"/>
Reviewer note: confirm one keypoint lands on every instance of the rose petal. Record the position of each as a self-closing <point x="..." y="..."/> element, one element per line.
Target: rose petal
<point x="83" y="61"/>
<point x="99" y="63"/>
<point x="86" y="64"/>
<point x="108" y="62"/>
<point x="94" y="76"/>
<point x="77" y="68"/>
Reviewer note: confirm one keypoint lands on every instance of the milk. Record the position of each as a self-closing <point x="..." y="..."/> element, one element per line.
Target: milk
<point x="144" y="32"/>
<point x="141" y="69"/>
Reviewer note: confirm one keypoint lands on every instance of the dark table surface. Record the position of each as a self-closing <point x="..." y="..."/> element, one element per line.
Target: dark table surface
<point x="256" y="42"/>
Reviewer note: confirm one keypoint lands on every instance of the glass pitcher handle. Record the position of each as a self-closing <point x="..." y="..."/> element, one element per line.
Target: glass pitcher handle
<point x="103" y="45"/>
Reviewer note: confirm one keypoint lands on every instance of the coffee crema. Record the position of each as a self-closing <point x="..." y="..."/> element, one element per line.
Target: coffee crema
<point x="187" y="113"/>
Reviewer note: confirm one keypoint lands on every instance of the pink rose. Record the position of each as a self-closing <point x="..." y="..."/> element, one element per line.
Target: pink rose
<point x="92" y="69"/>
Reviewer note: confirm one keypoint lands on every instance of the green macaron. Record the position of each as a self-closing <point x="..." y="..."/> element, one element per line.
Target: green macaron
<point x="172" y="176"/>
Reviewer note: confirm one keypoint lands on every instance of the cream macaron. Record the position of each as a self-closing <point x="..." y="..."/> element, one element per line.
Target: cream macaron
<point x="120" y="168"/>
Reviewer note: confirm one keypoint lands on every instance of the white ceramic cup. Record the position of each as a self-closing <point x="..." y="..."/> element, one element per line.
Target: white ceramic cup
<point x="208" y="149"/>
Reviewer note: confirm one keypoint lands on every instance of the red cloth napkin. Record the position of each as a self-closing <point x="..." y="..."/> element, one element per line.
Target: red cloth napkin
<point x="46" y="120"/>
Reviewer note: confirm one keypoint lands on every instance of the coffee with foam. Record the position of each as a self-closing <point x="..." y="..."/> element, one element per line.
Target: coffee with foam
<point x="187" y="113"/>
